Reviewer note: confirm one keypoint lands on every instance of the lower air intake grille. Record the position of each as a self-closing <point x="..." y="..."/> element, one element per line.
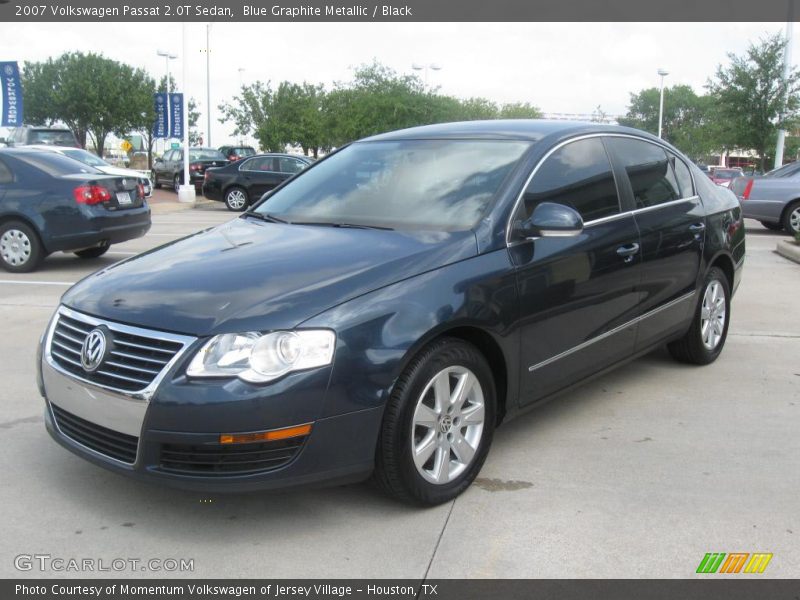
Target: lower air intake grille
<point x="228" y="459"/>
<point x="111" y="443"/>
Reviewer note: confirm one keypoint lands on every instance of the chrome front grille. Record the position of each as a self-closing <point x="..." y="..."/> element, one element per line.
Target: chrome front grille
<point x="134" y="358"/>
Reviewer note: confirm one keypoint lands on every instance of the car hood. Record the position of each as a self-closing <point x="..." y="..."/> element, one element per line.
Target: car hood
<point x="249" y="275"/>
<point x="121" y="172"/>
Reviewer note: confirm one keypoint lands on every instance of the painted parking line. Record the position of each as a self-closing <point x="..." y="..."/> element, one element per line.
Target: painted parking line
<point x="35" y="282"/>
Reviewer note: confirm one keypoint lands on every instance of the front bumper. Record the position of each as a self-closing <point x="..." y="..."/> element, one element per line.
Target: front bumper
<point x="170" y="433"/>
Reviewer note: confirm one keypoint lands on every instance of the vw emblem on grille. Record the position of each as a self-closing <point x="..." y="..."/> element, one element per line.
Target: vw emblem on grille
<point x="93" y="350"/>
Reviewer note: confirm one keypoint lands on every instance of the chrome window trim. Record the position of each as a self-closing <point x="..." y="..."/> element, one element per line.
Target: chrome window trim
<point x="144" y="394"/>
<point x="587" y="136"/>
<point x="611" y="332"/>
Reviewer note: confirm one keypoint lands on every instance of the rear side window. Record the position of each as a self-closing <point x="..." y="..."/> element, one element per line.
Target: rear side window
<point x="650" y="173"/>
<point x="5" y="173"/>
<point x="577" y="175"/>
<point x="54" y="164"/>
<point x="683" y="176"/>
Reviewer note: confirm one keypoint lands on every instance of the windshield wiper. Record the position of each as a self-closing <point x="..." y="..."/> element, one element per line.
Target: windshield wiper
<point x="263" y="217"/>
<point x="342" y="225"/>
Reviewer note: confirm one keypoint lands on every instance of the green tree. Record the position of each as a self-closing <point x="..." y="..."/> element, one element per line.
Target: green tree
<point x="753" y="99"/>
<point x="93" y="95"/>
<point x="520" y="110"/>
<point x="688" y="121"/>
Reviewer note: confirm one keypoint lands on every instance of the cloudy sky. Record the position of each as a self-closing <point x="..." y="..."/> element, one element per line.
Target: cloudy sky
<point x="558" y="67"/>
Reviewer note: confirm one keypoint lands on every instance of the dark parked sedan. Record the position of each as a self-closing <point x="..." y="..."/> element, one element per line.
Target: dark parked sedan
<point x="51" y="203"/>
<point x="385" y="310"/>
<point x="168" y="170"/>
<point x="243" y="182"/>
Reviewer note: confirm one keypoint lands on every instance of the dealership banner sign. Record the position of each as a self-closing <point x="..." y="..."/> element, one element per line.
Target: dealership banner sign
<point x="12" y="95"/>
<point x="161" y="124"/>
<point x="176" y="116"/>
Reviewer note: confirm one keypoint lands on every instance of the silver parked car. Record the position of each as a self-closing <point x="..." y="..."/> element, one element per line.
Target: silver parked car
<point x="773" y="199"/>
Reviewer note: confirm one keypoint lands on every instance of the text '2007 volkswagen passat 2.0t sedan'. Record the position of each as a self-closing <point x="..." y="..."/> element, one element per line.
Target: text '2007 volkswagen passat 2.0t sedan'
<point x="384" y="310"/>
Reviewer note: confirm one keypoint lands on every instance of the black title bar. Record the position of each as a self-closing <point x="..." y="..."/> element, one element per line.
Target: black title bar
<point x="389" y="10"/>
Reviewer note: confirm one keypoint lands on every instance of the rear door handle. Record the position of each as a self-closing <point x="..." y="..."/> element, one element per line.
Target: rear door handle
<point x="628" y="251"/>
<point x="697" y="227"/>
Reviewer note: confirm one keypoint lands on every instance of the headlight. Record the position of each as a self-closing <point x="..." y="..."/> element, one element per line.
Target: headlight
<point x="260" y="358"/>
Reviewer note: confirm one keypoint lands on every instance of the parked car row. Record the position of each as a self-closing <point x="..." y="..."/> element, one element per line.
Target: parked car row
<point x="773" y="199"/>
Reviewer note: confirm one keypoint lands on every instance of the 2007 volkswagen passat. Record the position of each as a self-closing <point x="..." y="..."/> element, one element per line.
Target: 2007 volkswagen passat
<point x="385" y="310"/>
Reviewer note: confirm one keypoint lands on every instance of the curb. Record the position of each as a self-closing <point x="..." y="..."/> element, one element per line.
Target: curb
<point x="789" y="250"/>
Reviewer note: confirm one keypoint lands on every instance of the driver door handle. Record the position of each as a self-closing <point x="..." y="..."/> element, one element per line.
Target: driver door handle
<point x="628" y="251"/>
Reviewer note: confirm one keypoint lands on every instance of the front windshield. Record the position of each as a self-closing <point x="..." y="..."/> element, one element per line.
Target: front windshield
<point x="726" y="174"/>
<point x="51" y="137"/>
<point x="205" y="154"/>
<point x="86" y="158"/>
<point x="442" y="185"/>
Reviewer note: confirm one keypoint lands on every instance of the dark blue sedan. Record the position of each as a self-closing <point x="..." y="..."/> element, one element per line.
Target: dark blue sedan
<point x="382" y="312"/>
<point x="51" y="203"/>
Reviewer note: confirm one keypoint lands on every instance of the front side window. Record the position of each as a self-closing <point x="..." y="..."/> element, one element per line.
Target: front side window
<point x="578" y="175"/>
<point x="289" y="165"/>
<point x="650" y="173"/>
<point x="439" y="185"/>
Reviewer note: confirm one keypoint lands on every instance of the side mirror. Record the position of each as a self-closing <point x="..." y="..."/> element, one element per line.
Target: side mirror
<point x="550" y="220"/>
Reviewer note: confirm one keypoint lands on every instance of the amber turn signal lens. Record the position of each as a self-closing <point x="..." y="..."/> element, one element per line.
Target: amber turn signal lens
<point x="265" y="436"/>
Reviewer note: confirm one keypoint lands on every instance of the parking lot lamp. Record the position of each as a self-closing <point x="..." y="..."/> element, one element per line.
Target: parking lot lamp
<point x="663" y="73"/>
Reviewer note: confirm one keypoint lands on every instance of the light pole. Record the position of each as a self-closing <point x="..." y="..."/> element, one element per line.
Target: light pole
<point x="787" y="59"/>
<point x="168" y="56"/>
<point x="663" y="73"/>
<point x="426" y="68"/>
<point x="208" y="82"/>
<point x="186" y="191"/>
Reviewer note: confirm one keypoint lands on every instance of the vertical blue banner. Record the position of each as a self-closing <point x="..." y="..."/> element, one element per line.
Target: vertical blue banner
<point x="161" y="124"/>
<point x="12" y="95"/>
<point x="176" y="116"/>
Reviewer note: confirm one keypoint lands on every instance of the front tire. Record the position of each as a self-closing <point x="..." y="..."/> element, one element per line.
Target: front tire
<point x="154" y="180"/>
<point x="236" y="199"/>
<point x="176" y="183"/>
<point x="706" y="337"/>
<point x="20" y="248"/>
<point x="791" y="221"/>
<point x="438" y="424"/>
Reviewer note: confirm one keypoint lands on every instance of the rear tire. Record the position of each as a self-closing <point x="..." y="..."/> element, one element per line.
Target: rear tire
<point x="176" y="183"/>
<point x="95" y="252"/>
<point x="236" y="199"/>
<point x="791" y="220"/>
<point x="772" y="226"/>
<point x="438" y="424"/>
<point x="20" y="248"/>
<point x="706" y="337"/>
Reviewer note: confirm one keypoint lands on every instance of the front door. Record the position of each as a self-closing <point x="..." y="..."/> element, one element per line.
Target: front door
<point x="578" y="295"/>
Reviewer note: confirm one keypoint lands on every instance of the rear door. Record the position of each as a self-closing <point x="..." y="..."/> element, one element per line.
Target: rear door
<point x="671" y="220"/>
<point x="579" y="295"/>
<point x="259" y="175"/>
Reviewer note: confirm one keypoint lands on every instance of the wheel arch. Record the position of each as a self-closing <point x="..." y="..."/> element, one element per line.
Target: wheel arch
<point x="785" y="210"/>
<point x="724" y="261"/>
<point x="486" y="344"/>
<point x="6" y="218"/>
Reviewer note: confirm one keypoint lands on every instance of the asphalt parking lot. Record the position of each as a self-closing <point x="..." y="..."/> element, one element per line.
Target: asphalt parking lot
<point x="637" y="474"/>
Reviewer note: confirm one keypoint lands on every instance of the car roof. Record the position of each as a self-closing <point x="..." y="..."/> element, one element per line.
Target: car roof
<point x="503" y="129"/>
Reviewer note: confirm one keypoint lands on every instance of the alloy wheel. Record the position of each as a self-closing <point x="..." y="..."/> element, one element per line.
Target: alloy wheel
<point x="15" y="247"/>
<point x="794" y="220"/>
<point x="712" y="315"/>
<point x="447" y="425"/>
<point x="236" y="199"/>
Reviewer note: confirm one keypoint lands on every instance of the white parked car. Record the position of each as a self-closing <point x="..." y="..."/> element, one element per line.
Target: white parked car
<point x="98" y="163"/>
